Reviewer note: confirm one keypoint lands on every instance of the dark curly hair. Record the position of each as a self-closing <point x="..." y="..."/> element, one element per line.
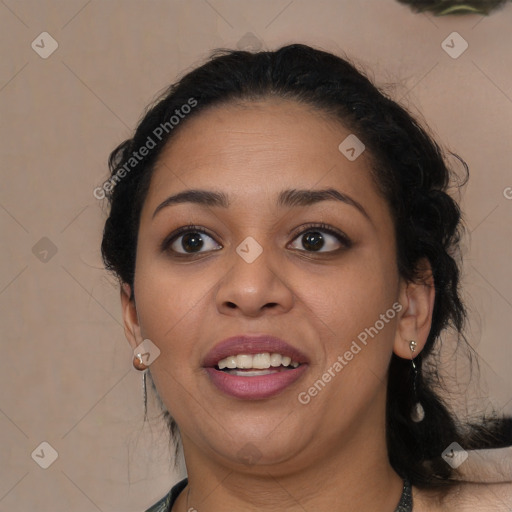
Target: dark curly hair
<point x="409" y="170"/>
<point x="445" y="7"/>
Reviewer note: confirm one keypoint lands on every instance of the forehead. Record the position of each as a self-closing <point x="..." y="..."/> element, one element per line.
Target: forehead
<point x="261" y="144"/>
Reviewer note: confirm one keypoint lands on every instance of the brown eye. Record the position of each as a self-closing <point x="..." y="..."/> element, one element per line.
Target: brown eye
<point x="321" y="239"/>
<point x="190" y="241"/>
<point x="313" y="241"/>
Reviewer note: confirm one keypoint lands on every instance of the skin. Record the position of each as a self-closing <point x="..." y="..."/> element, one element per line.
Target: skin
<point x="319" y="456"/>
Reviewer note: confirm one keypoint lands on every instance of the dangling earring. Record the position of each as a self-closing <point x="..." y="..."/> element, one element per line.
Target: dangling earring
<point x="148" y="350"/>
<point x="418" y="413"/>
<point x="138" y="364"/>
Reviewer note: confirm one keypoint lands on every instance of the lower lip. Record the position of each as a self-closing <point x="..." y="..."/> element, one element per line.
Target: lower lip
<point x="257" y="387"/>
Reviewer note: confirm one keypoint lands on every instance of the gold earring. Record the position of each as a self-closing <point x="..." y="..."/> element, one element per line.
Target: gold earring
<point x="138" y="364"/>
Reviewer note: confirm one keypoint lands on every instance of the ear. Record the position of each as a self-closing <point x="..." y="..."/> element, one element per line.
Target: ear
<point x="130" y="317"/>
<point x="415" y="319"/>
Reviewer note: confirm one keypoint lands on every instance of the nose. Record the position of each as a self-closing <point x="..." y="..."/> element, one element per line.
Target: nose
<point x="254" y="288"/>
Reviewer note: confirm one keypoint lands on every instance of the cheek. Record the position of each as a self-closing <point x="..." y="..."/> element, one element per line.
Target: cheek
<point x="168" y="295"/>
<point x="352" y="296"/>
<point x="169" y="308"/>
<point x="357" y="308"/>
<point x="170" y="311"/>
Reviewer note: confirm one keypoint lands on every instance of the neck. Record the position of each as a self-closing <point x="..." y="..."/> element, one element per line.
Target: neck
<point x="353" y="475"/>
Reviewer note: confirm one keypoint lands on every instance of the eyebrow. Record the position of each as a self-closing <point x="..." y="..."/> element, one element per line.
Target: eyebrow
<point x="287" y="198"/>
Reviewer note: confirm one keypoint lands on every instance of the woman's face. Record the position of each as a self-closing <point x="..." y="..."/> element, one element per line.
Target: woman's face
<point x="262" y="266"/>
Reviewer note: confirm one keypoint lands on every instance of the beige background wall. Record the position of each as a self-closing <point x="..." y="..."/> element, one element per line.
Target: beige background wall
<point x="66" y="375"/>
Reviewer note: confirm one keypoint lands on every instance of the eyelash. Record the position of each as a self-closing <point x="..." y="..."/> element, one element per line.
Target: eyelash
<point x="311" y="227"/>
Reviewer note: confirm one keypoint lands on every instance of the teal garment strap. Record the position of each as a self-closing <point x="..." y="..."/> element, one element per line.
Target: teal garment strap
<point x="166" y="503"/>
<point x="162" y="505"/>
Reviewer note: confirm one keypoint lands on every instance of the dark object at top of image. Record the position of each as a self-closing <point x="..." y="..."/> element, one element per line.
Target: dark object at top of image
<point x="455" y="7"/>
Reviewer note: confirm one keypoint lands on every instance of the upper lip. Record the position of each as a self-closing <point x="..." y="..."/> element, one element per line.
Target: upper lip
<point x="252" y="344"/>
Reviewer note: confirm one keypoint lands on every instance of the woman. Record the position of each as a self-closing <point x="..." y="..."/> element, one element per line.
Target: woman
<point x="284" y="242"/>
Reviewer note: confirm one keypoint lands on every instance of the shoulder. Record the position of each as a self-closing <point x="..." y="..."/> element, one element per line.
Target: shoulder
<point x="491" y="497"/>
<point x="486" y="480"/>
<point x="466" y="497"/>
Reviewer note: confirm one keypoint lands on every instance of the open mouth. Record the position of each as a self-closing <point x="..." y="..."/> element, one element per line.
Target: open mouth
<point x="255" y="376"/>
<point x="254" y="365"/>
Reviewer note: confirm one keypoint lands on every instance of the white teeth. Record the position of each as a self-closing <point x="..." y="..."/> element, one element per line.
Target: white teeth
<point x="275" y="360"/>
<point x="231" y="362"/>
<point x="244" y="361"/>
<point x="251" y="374"/>
<point x="261" y="361"/>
